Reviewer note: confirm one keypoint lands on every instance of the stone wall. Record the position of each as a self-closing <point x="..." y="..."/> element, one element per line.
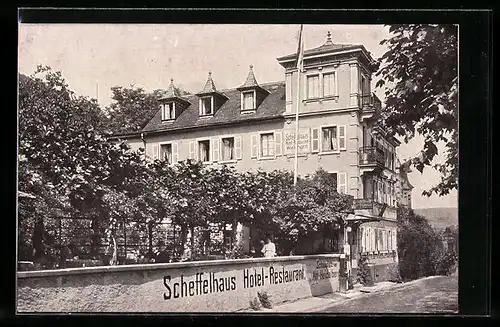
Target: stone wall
<point x="204" y="286"/>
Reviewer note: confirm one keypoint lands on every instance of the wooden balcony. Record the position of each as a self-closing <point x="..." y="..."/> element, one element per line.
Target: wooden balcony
<point x="372" y="208"/>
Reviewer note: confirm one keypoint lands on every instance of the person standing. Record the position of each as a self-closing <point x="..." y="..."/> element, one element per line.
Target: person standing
<point x="269" y="249"/>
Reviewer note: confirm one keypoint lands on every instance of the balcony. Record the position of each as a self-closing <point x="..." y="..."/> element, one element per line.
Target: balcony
<point x="372" y="208"/>
<point x="371" y="157"/>
<point x="369" y="102"/>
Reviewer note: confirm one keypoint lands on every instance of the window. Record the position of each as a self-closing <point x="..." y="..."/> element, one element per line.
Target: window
<point x="267" y="145"/>
<point x="204" y="150"/>
<point x="341" y="181"/>
<point x="365" y="85"/>
<point x="313" y="87"/>
<point x="228" y="149"/>
<point x="168" y="111"/>
<point x="329" y="141"/>
<point x="248" y="100"/>
<point x="166" y="152"/>
<point x="329" y="85"/>
<point x="206" y="106"/>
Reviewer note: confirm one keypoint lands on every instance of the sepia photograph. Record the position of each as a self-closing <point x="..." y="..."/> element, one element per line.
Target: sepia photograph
<point x="237" y="168"/>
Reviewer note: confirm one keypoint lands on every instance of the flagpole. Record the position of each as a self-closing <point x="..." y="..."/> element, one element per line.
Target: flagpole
<point x="299" y="66"/>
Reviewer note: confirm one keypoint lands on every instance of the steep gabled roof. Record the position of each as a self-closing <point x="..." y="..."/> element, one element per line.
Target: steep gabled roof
<point x="273" y="106"/>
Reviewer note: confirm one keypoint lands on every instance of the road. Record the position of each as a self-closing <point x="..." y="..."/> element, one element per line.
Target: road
<point x="429" y="295"/>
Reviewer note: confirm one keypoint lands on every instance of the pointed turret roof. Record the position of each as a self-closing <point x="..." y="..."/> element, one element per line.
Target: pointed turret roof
<point x="209" y="85"/>
<point x="172" y="92"/>
<point x="251" y="80"/>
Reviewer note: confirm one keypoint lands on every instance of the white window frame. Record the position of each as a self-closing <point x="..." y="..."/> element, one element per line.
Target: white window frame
<point x="165" y="110"/>
<point x="321" y="151"/>
<point x="320" y="86"/>
<point x="171" y="149"/>
<point x="221" y="145"/>
<point x="203" y="109"/>
<point x="336" y="91"/>
<point x="254" y="95"/>
<point x="259" y="142"/>
<point x="197" y="150"/>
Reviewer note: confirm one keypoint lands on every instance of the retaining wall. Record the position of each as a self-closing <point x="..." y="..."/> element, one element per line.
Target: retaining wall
<point x="203" y="286"/>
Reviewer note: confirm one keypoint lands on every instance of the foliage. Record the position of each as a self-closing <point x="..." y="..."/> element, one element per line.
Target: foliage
<point x="364" y="275"/>
<point x="65" y="160"/>
<point x="419" y="246"/>
<point x="255" y="304"/>
<point x="446" y="263"/>
<point x="420" y="68"/>
<point x="132" y="108"/>
<point x="265" y="300"/>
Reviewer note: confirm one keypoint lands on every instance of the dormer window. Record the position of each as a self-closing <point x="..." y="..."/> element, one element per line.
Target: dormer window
<point x="168" y="111"/>
<point x="252" y="94"/>
<point x="249" y="100"/>
<point x="172" y="104"/>
<point x="206" y="106"/>
<point x="210" y="100"/>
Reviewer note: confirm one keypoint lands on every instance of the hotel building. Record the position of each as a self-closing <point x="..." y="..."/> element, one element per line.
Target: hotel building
<point x="252" y="127"/>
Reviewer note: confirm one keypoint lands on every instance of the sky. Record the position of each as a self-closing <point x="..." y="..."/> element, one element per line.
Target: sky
<point x="95" y="57"/>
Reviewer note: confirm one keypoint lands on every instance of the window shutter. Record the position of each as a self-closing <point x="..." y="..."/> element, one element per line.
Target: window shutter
<point x="372" y="240"/>
<point x="156" y="150"/>
<point x="237" y="147"/>
<point x="254" y="146"/>
<point x="215" y="149"/>
<point x="342" y="183"/>
<point x="314" y="140"/>
<point x="278" y="143"/>
<point x="192" y="150"/>
<point x="175" y="152"/>
<point x="342" y="137"/>
<point x="200" y="105"/>
<point x="369" y="241"/>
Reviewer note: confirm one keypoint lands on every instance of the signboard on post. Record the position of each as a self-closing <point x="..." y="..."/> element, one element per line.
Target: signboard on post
<point x="303" y="141"/>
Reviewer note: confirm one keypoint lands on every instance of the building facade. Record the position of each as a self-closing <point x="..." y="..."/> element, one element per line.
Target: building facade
<point x="253" y="127"/>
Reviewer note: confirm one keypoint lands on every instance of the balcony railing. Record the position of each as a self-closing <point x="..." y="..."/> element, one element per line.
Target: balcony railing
<point x="371" y="156"/>
<point x="374" y="208"/>
<point x="370" y="102"/>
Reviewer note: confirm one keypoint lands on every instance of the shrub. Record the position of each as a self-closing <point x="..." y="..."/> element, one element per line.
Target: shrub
<point x="419" y="246"/>
<point x="350" y="283"/>
<point x="364" y="275"/>
<point x="446" y="263"/>
<point x="265" y="300"/>
<point x="255" y="304"/>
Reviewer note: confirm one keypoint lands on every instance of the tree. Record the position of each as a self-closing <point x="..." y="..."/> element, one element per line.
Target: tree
<point x="66" y="162"/>
<point x="132" y="108"/>
<point x="419" y="71"/>
<point x="420" y="248"/>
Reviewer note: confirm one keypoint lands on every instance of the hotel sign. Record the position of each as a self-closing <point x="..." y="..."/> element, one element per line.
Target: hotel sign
<point x="303" y="141"/>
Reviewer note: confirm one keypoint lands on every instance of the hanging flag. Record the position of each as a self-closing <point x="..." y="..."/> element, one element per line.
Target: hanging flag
<point x="300" y="50"/>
